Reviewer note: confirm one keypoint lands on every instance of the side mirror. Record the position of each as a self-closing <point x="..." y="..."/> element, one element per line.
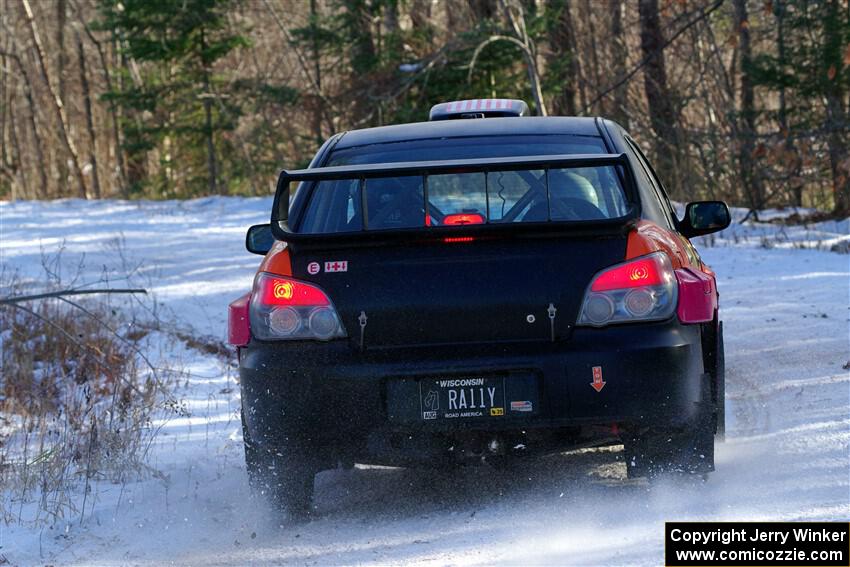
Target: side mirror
<point x="705" y="217"/>
<point x="259" y="239"/>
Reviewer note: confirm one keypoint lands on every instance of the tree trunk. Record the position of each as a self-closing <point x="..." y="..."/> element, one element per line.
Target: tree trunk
<point x="61" y="56"/>
<point x="113" y="112"/>
<point x="563" y="60"/>
<point x="619" y="56"/>
<point x="318" y="104"/>
<point x="836" y="118"/>
<point x="41" y="163"/>
<point x="84" y="83"/>
<point x="482" y="10"/>
<point x="420" y="14"/>
<point x="61" y="65"/>
<point x="662" y="114"/>
<point x="515" y="15"/>
<point x="363" y="45"/>
<point x="5" y="106"/>
<point x="796" y="185"/>
<point x="362" y="58"/>
<point x="19" y="170"/>
<point x="587" y="16"/>
<point x="746" y="143"/>
<point x="58" y="106"/>
<point x="212" y="165"/>
<point x="391" y="23"/>
<point x="137" y="166"/>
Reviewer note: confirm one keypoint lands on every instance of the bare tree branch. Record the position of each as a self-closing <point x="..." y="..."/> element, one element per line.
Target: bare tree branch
<point x="703" y="14"/>
<point x="302" y="61"/>
<point x="21" y="298"/>
<point x="77" y="343"/>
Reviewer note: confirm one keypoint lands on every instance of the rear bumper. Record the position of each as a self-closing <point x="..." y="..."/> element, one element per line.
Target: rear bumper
<point x="331" y="395"/>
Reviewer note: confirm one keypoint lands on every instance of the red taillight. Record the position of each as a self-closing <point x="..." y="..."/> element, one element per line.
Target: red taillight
<point x="452" y="239"/>
<point x="279" y="290"/>
<point x="643" y="289"/>
<point x="641" y="272"/>
<point x="463" y="218"/>
<point x="283" y="308"/>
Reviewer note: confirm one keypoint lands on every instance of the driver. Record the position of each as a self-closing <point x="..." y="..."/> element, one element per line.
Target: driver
<point x="565" y="184"/>
<point x="395" y="202"/>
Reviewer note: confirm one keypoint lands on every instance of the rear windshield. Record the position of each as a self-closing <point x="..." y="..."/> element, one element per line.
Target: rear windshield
<point x="574" y="194"/>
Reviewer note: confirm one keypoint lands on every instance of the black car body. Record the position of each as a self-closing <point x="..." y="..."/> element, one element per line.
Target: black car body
<point x="454" y="329"/>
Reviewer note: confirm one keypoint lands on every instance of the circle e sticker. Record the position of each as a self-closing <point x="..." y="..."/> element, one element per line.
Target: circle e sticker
<point x="313" y="268"/>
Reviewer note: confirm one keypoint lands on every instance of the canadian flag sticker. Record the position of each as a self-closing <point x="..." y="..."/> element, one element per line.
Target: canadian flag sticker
<point x="336" y="266"/>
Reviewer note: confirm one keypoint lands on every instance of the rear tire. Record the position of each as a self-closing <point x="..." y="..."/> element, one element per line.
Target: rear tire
<point x="284" y="479"/>
<point x="686" y="451"/>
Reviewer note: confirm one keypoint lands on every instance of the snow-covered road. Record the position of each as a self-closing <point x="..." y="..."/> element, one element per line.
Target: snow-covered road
<point x="787" y="454"/>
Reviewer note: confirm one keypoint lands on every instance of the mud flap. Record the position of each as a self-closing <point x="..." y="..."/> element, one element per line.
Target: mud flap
<point x="719" y="376"/>
<point x="687" y="450"/>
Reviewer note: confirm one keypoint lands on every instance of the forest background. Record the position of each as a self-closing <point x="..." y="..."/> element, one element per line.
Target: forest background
<point x="742" y="100"/>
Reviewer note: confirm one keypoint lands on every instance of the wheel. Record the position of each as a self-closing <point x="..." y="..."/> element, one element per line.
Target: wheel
<point x="284" y="479"/>
<point x="686" y="450"/>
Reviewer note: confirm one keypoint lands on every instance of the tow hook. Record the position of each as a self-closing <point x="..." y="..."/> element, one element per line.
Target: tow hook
<point x="362" y="320"/>
<point x="552" y="311"/>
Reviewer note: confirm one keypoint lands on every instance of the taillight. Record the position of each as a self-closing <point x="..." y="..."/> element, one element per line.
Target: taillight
<point x="643" y="289"/>
<point x="463" y="218"/>
<point x="283" y="308"/>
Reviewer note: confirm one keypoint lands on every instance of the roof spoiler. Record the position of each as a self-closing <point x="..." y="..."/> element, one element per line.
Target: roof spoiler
<point x="281" y="206"/>
<point x="478" y="108"/>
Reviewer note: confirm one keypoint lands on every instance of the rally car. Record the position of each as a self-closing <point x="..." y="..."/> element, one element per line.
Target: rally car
<point x="472" y="288"/>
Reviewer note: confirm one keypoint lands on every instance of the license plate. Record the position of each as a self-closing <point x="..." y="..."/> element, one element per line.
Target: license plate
<point x="462" y="398"/>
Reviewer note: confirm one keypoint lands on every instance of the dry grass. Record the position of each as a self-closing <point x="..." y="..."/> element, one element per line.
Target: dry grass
<point x="76" y="399"/>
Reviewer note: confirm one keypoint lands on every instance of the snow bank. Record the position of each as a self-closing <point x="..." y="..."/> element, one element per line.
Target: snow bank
<point x="771" y="231"/>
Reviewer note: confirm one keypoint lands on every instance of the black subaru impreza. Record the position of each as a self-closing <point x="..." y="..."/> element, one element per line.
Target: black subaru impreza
<point x="480" y="286"/>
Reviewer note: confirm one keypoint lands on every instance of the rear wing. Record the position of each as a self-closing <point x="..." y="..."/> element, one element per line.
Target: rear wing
<point x="282" y="209"/>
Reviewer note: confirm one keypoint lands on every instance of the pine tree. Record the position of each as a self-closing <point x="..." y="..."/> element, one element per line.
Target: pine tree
<point x="174" y="101"/>
<point x="813" y="73"/>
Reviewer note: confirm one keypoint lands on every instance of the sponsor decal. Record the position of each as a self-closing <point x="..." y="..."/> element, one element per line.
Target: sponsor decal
<point x="522" y="406"/>
<point x="497" y="411"/>
<point x="336" y="266"/>
<point x="313" y="268"/>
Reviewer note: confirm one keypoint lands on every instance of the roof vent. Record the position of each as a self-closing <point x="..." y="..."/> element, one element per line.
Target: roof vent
<point x="478" y="108"/>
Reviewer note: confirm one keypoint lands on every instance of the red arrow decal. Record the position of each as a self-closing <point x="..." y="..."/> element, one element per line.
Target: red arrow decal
<point x="597" y="383"/>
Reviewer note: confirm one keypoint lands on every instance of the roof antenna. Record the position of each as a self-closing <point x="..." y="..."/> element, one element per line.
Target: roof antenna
<point x="552" y="311"/>
<point x="362" y="319"/>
